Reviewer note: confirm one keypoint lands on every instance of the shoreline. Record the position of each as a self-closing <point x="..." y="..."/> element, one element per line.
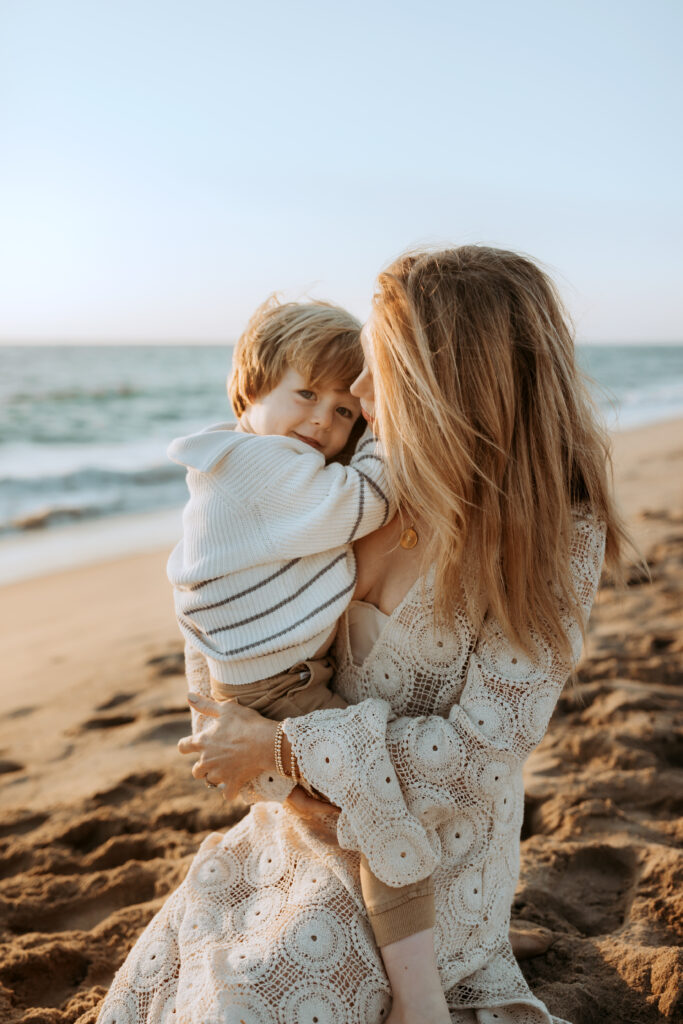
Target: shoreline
<point x="35" y="554"/>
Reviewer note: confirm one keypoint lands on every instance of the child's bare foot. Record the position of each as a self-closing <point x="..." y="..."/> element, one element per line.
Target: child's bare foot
<point x="528" y="941"/>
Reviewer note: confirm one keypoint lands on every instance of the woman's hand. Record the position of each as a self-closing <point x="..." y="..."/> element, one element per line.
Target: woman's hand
<point x="234" y="747"/>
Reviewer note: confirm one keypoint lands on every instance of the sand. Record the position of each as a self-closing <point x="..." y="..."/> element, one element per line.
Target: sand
<point x="99" y="816"/>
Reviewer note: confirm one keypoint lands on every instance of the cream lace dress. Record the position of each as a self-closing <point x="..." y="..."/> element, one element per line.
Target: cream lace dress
<point x="269" y="925"/>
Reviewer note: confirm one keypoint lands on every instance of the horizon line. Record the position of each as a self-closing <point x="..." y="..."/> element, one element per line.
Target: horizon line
<point x="38" y="342"/>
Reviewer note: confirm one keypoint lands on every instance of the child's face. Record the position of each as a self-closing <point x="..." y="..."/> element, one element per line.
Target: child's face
<point x="322" y="417"/>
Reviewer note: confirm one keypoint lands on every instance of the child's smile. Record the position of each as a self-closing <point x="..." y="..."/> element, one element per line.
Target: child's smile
<point x="320" y="416"/>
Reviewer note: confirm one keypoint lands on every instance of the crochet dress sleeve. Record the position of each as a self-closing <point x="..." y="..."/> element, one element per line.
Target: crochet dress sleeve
<point x="198" y="681"/>
<point x="397" y="780"/>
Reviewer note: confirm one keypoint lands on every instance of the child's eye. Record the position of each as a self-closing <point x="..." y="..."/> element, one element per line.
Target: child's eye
<point x="346" y="413"/>
<point x="307" y="394"/>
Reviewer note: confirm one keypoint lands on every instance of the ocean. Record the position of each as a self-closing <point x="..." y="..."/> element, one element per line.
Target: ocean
<point x="84" y="429"/>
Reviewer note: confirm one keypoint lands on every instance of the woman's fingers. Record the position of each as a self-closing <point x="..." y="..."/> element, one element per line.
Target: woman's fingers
<point x="199" y="769"/>
<point x="205" y="705"/>
<point x="188" y="745"/>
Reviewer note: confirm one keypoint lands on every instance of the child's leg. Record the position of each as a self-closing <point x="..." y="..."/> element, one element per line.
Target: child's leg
<point x="402" y="920"/>
<point x="304" y="688"/>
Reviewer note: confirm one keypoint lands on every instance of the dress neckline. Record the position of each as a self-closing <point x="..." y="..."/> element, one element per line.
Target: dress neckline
<point x="369" y="604"/>
<point x="388" y="619"/>
<point x="399" y="606"/>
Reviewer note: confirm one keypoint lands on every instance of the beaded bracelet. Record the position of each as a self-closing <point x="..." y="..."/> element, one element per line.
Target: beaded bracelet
<point x="295" y="778"/>
<point x="278" y="751"/>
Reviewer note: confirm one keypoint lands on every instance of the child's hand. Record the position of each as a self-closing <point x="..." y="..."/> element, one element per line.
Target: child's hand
<point x="319" y="815"/>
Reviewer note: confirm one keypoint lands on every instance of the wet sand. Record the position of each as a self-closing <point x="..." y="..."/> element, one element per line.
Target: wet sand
<point x="100" y="817"/>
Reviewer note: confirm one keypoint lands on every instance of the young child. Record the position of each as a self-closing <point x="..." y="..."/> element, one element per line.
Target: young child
<point x="265" y="567"/>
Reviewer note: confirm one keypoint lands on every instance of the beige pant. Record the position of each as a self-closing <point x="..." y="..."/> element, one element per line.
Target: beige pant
<point x="394" y="913"/>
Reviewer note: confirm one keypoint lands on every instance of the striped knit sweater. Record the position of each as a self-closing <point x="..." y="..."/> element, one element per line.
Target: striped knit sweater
<point x="265" y="567"/>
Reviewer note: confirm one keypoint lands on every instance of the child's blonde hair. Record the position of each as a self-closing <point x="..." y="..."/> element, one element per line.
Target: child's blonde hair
<point x="489" y="430"/>
<point x="318" y="340"/>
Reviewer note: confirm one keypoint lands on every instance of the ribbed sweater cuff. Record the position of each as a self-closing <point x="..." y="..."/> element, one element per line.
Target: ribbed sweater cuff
<point x="411" y="916"/>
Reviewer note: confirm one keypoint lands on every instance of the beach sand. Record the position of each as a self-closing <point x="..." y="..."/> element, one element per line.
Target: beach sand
<point x="100" y="816"/>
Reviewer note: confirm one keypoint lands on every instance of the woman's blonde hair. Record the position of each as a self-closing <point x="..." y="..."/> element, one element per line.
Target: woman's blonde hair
<point x="318" y="340"/>
<point x="490" y="433"/>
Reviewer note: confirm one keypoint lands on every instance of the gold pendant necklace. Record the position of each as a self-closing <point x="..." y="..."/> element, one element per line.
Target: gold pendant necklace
<point x="409" y="538"/>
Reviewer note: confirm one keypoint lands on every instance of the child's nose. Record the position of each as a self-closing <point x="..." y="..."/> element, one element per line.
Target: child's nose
<point x="322" y="416"/>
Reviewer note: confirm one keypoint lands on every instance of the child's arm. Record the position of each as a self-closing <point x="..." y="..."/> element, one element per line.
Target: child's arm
<point x="291" y="502"/>
<point x="310" y="506"/>
<point x="402" y="921"/>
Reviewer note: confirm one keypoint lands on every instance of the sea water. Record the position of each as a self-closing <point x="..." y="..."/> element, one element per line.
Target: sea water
<point x="84" y="429"/>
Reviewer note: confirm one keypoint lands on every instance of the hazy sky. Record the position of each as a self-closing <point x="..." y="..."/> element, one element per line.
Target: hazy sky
<point x="164" y="165"/>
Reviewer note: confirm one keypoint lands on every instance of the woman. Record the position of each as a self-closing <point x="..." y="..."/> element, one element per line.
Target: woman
<point x="469" y="614"/>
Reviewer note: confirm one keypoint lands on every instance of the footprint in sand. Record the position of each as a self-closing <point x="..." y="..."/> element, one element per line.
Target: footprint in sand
<point x="171" y="664"/>
<point x="589" y="888"/>
<point x="105" y="722"/>
<point x="115" y="701"/>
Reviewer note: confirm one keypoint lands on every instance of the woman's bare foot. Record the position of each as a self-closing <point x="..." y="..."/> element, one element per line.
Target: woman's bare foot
<point x="529" y="941"/>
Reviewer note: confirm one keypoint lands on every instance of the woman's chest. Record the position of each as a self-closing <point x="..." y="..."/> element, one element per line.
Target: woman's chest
<point x="418" y="668"/>
<point x="386" y="571"/>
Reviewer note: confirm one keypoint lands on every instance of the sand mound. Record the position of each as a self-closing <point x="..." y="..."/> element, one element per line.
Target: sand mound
<point x="600" y="862"/>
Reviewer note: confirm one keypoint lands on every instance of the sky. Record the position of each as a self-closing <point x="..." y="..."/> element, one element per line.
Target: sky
<point x="165" y="165"/>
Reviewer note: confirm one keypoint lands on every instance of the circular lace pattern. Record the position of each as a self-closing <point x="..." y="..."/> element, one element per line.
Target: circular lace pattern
<point x="466" y="896"/>
<point x="326" y="758"/>
<point x="381" y="780"/>
<point x="201" y="919"/>
<point x="535" y="709"/>
<point x="265" y="865"/>
<point x="491" y="716"/>
<point x="316" y="939"/>
<point x="372" y="1002"/>
<point x="257" y="912"/>
<point x="163" y="1008"/>
<point x="493" y="778"/>
<point x="510" y="662"/>
<point x="507" y="807"/>
<point x="153" y="961"/>
<point x="242" y="960"/>
<point x="430" y="804"/>
<point x="436" y="650"/>
<point x="313" y="1002"/>
<point x="387" y="674"/>
<point x="437" y="749"/>
<point x="239" y="1006"/>
<point x="215" y="873"/>
<point x="463" y="838"/>
<point x="311" y="879"/>
<point x="120" y="1010"/>
<point x="396" y="852"/>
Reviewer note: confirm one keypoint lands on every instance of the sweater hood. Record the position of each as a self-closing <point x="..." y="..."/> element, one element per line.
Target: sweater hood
<point x="204" y="450"/>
